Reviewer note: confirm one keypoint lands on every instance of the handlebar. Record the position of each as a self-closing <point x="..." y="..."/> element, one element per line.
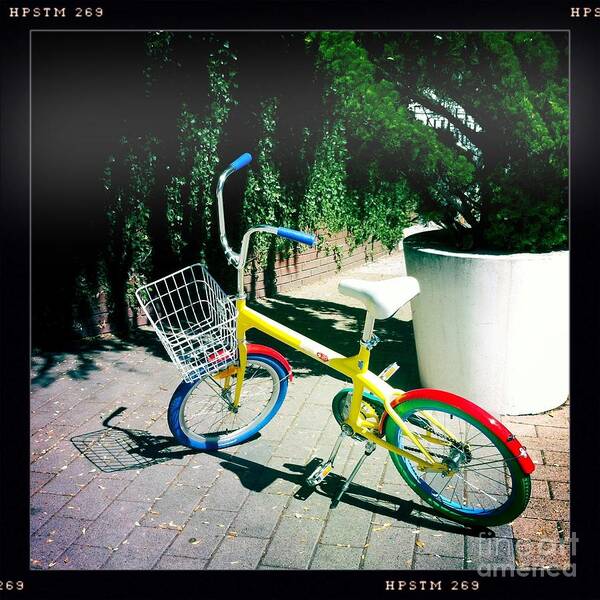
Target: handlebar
<point x="239" y="260"/>
<point x="241" y="161"/>
<point x="297" y="236"/>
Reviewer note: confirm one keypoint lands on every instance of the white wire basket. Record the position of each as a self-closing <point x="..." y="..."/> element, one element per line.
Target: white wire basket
<point x="194" y="319"/>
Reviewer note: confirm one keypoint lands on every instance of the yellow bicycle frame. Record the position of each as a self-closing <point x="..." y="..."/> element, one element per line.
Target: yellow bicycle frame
<point x="355" y="367"/>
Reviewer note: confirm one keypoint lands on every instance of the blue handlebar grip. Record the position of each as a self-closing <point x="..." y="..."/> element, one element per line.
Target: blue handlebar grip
<point x="298" y="236"/>
<point x="241" y="161"/>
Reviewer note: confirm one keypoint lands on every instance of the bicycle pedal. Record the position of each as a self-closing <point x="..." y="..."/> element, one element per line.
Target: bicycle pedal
<point x="317" y="476"/>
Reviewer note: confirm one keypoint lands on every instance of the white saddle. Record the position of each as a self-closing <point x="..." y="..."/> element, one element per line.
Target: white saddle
<point x="381" y="298"/>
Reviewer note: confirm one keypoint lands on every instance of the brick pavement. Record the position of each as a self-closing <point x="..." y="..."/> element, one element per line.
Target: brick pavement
<point x="146" y="503"/>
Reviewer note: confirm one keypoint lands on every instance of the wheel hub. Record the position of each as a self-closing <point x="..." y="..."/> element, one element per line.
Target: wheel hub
<point x="460" y="454"/>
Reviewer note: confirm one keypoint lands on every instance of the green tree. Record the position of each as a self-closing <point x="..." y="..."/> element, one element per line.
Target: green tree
<point x="503" y="95"/>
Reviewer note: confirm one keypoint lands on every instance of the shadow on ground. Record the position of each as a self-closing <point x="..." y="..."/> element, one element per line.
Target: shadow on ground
<point x="332" y="324"/>
<point x="116" y="448"/>
<point x="86" y="353"/>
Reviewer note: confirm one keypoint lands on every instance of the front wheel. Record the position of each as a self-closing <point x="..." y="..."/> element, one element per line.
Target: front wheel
<point x="202" y="414"/>
<point x="484" y="484"/>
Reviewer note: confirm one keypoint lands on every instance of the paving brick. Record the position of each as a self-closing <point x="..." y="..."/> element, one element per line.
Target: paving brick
<point x="70" y="480"/>
<point x="47" y="438"/>
<point x="81" y="413"/>
<point x="336" y="557"/>
<point x="347" y="525"/>
<point x="535" y="455"/>
<point x="201" y="471"/>
<point x="556" y="459"/>
<point x="53" y="538"/>
<point x="52" y="461"/>
<point x="38" y="480"/>
<point x="202" y="534"/>
<point x="298" y="444"/>
<point x="556" y="418"/>
<point x="437" y="563"/>
<point x="68" y="398"/>
<point x="552" y="433"/>
<point x="547" y="509"/>
<point x="371" y="473"/>
<point x="250" y="455"/>
<point x="316" y="506"/>
<point x="489" y="552"/>
<point x="259" y="515"/>
<point x="142" y="549"/>
<point x="180" y="563"/>
<point x="175" y="505"/>
<point x="109" y="393"/>
<point x="238" y="552"/>
<point x="82" y="558"/>
<point x="114" y="524"/>
<point x="295" y="400"/>
<point x="41" y="396"/>
<point x="551" y="473"/>
<point x="43" y="506"/>
<point x="227" y="493"/>
<point x="395" y="505"/>
<point x="560" y="490"/>
<point x="276" y="429"/>
<point x="41" y="418"/>
<point x="312" y="417"/>
<point x="91" y="501"/>
<point x="150" y="483"/>
<point x="521" y="429"/>
<point x="281" y="476"/>
<point x="390" y="548"/>
<point x="282" y="553"/>
<point x="441" y="542"/>
<point x="535" y="529"/>
<point x="557" y="444"/>
<point x="540" y="489"/>
<point x="530" y="553"/>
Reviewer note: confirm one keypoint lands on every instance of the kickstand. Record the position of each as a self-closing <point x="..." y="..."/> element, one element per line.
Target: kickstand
<point x="324" y="468"/>
<point x="369" y="449"/>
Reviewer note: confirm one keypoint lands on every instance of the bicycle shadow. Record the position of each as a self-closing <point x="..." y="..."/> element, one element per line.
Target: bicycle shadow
<point x="256" y="477"/>
<point x="116" y="448"/>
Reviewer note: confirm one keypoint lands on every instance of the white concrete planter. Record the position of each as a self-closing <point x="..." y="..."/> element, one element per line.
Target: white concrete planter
<point x="492" y="328"/>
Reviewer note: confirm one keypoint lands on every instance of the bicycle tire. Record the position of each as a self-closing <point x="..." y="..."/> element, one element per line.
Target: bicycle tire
<point x="517" y="497"/>
<point x="272" y="369"/>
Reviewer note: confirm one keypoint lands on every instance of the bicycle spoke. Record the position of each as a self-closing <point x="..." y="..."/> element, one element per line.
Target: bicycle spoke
<point x="478" y="489"/>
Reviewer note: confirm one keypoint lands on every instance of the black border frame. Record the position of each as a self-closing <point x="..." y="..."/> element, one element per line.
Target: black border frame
<point x="15" y="299"/>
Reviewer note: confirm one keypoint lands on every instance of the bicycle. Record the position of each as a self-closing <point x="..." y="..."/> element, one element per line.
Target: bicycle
<point x="452" y="453"/>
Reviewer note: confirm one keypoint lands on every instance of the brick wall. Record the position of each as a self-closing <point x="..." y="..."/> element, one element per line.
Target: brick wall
<point x="305" y="267"/>
<point x="311" y="265"/>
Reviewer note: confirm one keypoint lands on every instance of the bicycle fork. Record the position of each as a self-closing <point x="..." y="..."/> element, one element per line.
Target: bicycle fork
<point x="323" y="469"/>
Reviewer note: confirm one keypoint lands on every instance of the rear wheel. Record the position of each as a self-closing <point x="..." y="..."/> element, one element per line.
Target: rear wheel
<point x="202" y="415"/>
<point x="484" y="486"/>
